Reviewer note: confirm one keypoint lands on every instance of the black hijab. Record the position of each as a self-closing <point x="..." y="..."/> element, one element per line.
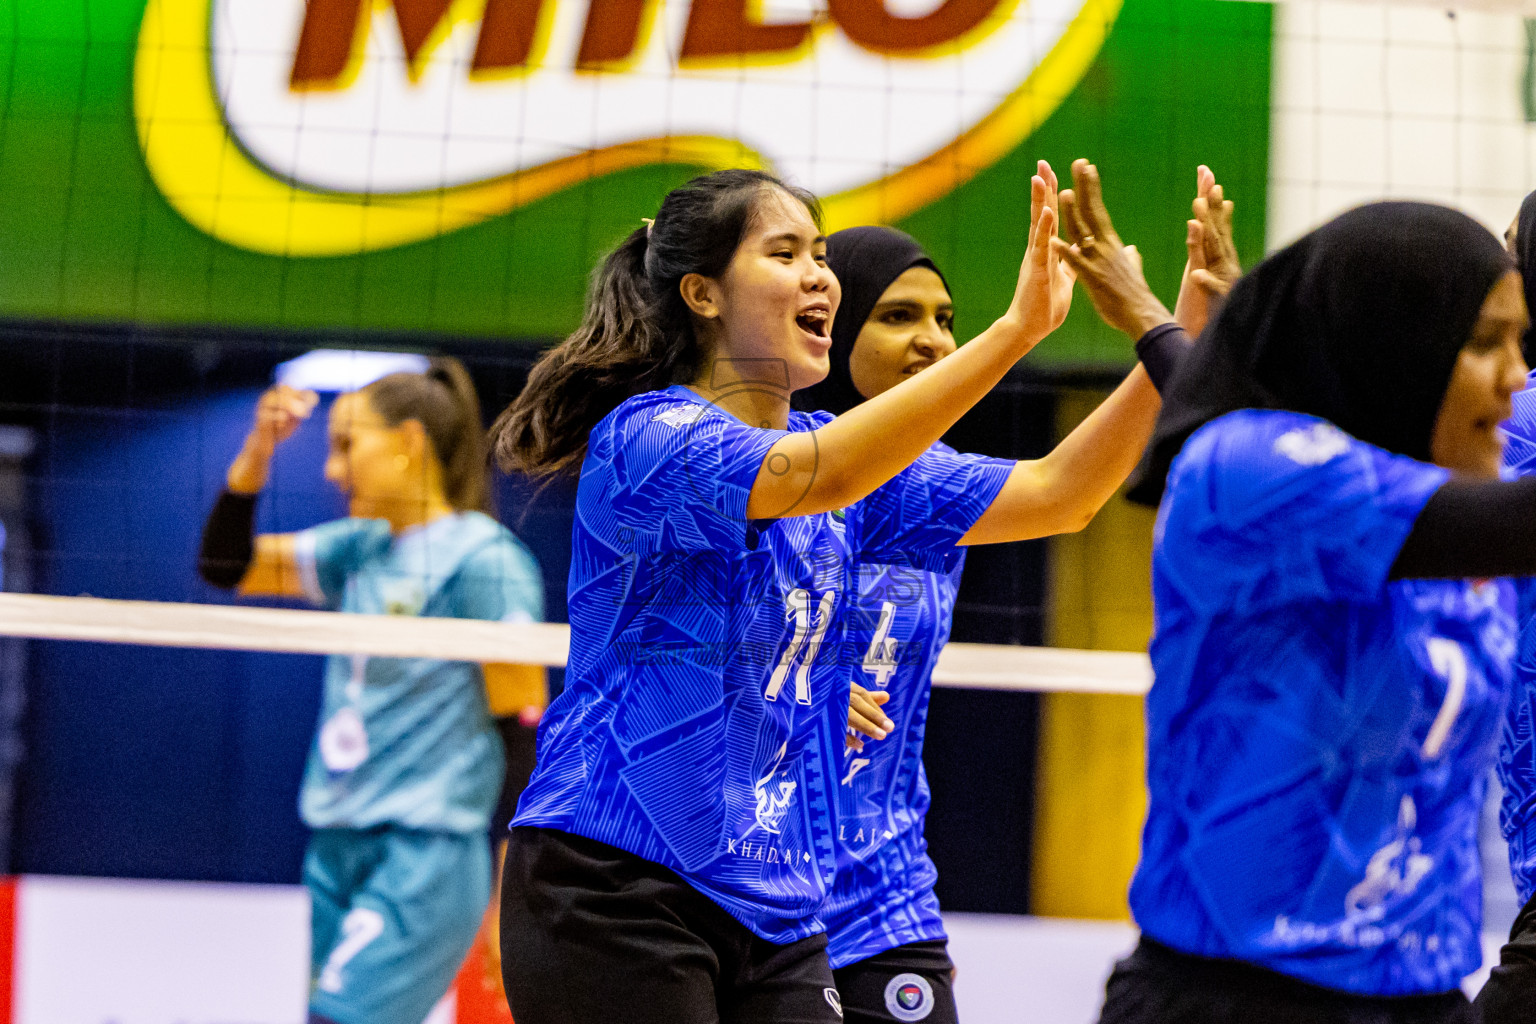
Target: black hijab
<point x="1525" y="257"/>
<point x="866" y="261"/>
<point x="1359" y="322"/>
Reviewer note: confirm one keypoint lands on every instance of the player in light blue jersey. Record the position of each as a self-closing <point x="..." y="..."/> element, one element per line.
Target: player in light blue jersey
<point x="1331" y="654"/>
<point x="674" y="847"/>
<point x="406" y="766"/>
<point x="885" y="937"/>
<point x="1510" y="994"/>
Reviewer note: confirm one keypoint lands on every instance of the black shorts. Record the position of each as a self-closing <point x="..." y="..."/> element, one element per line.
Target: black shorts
<point x="1510" y="994"/>
<point x="591" y="934"/>
<point x="1161" y="985"/>
<point x="909" y="983"/>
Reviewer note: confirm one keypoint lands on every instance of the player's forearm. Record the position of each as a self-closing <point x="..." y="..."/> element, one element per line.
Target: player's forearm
<point x="248" y="473"/>
<point x="229" y="540"/>
<point x="1472" y="529"/>
<point x="1062" y="492"/>
<point x="842" y="462"/>
<point x="1093" y="461"/>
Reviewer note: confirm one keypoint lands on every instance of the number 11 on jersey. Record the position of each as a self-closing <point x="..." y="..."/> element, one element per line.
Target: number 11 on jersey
<point x="807" y="639"/>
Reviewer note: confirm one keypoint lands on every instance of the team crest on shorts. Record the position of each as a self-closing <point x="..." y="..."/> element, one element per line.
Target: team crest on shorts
<point x="909" y="997"/>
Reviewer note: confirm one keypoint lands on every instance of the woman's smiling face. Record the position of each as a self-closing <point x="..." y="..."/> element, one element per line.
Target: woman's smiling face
<point x="910" y="329"/>
<point x="1489" y="370"/>
<point x="771" y="310"/>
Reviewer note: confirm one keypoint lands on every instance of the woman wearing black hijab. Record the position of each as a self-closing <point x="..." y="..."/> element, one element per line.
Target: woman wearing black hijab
<point x="886" y="940"/>
<point x="1510" y="995"/>
<point x="1331" y="658"/>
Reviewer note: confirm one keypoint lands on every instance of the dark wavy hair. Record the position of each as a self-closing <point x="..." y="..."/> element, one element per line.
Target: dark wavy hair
<point x="637" y="334"/>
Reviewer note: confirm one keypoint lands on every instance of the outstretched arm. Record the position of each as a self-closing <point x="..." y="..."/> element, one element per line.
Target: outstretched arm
<point x="231" y="555"/>
<point x="842" y="462"/>
<point x="1062" y="492"/>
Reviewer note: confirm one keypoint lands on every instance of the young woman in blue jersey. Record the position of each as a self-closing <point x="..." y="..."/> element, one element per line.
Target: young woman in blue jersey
<point x="406" y="767"/>
<point x="1509" y="996"/>
<point x="885" y="937"/>
<point x="1331" y="654"/>
<point x="673" y="848"/>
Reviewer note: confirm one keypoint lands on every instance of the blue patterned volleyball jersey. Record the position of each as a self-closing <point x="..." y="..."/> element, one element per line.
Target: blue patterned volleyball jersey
<point x="1318" y="735"/>
<point x="882" y="896"/>
<point x="410" y="741"/>
<point x="1517" y="749"/>
<point x="706" y="699"/>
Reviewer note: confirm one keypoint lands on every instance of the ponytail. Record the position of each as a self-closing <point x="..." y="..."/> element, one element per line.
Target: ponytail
<point x="444" y="402"/>
<point x="636" y="334"/>
<point x="620" y="350"/>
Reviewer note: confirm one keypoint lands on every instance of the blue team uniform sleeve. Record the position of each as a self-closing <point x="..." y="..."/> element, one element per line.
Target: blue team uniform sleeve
<point x="919" y="516"/>
<point x="1520" y="431"/>
<point x="669" y="474"/>
<point x="1265" y="509"/>
<point x="327" y="554"/>
<point x="501" y="583"/>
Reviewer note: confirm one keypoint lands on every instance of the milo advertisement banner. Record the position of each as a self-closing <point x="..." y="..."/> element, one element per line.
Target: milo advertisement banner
<point x="457" y="166"/>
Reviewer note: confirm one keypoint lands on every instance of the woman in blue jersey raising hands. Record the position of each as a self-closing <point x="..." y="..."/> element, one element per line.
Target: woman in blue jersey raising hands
<point x="886" y="939"/>
<point x="673" y="848"/>
<point x="1331" y="656"/>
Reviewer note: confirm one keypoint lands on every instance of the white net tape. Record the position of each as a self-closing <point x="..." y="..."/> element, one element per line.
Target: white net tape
<point x="280" y="630"/>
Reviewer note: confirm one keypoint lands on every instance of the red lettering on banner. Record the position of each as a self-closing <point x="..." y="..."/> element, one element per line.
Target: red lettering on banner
<point x="723" y="28"/>
<point x="507" y="34"/>
<point x="612" y="30"/>
<point x="870" y="25"/>
<point x="332" y="29"/>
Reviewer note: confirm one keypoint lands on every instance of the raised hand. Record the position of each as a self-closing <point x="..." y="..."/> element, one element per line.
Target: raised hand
<point x="279" y="412"/>
<point x="1044" y="292"/>
<point x="1109" y="270"/>
<point x="1213" y="266"/>
<point x="1063" y="277"/>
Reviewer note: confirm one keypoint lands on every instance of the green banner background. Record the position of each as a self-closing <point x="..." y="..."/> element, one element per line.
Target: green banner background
<point x="85" y="235"/>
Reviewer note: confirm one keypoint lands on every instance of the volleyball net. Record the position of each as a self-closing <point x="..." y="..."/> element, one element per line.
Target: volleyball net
<point x="289" y="631"/>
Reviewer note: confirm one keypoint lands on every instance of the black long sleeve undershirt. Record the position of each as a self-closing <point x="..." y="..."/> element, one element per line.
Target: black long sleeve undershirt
<point x="1473" y="529"/>
<point x="1160" y="350"/>
<point x="229" y="540"/>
